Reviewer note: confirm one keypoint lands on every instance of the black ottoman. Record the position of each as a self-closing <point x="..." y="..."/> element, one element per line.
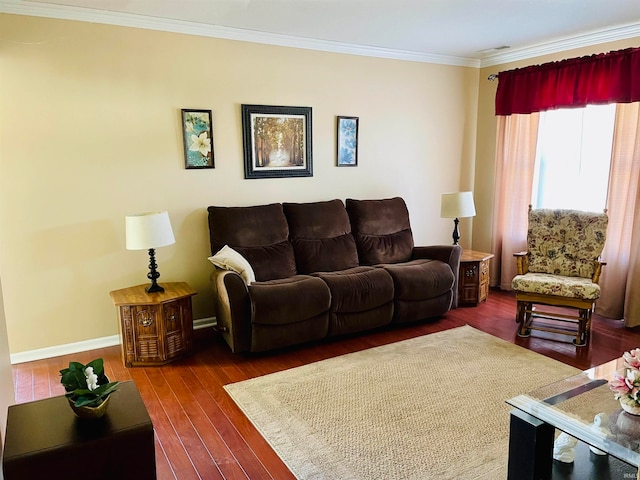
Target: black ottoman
<point x="45" y="440"/>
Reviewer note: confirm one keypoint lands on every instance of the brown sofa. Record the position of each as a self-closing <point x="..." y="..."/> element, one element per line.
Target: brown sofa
<point x="325" y="269"/>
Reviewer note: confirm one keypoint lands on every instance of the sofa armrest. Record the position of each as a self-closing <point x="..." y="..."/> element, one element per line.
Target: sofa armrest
<point x="449" y="254"/>
<point x="233" y="309"/>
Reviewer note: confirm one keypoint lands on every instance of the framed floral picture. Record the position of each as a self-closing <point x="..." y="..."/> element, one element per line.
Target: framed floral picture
<point x="277" y="141"/>
<point x="197" y="131"/>
<point x="347" y="153"/>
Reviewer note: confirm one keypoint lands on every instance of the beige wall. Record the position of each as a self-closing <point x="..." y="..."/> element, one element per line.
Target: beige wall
<point x="7" y="392"/>
<point x="486" y="144"/>
<point x="90" y="131"/>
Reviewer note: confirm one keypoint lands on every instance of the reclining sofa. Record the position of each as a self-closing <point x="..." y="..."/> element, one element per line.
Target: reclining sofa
<point x="323" y="269"/>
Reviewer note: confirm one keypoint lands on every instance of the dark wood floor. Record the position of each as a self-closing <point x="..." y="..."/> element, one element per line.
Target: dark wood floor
<point x="201" y="433"/>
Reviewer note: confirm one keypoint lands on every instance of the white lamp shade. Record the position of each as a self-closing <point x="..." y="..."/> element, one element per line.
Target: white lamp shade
<point x="457" y="205"/>
<point x="148" y="230"/>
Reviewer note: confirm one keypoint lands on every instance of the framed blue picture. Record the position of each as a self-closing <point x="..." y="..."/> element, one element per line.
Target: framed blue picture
<point x="197" y="131"/>
<point x="347" y="155"/>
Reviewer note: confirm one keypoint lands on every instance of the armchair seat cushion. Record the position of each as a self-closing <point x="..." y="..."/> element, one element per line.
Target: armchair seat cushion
<point x="557" y="285"/>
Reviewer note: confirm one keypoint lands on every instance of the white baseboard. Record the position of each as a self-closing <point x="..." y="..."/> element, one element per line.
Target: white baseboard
<point x="66" y="349"/>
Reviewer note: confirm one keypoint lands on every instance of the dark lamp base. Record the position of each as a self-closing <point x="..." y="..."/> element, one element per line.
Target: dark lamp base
<point x="153" y="274"/>
<point x="153" y="288"/>
<point x="456" y="232"/>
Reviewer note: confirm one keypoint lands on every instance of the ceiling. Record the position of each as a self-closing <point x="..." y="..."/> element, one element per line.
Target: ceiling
<point x="450" y="31"/>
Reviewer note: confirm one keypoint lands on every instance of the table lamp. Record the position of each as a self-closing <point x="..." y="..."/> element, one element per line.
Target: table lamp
<point x="149" y="231"/>
<point x="457" y="205"/>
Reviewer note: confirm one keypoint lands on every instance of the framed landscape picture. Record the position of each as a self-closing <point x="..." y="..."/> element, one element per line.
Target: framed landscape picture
<point x="347" y="155"/>
<point x="277" y="141"/>
<point x="197" y="132"/>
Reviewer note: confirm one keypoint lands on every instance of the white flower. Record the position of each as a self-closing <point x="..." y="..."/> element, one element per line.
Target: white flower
<point x="92" y="378"/>
<point x="201" y="144"/>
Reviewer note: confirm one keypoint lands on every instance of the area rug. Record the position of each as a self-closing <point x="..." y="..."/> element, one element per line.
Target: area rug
<point x="431" y="407"/>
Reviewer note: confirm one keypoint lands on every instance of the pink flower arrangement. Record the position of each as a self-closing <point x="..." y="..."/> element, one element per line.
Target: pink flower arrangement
<point x="627" y="387"/>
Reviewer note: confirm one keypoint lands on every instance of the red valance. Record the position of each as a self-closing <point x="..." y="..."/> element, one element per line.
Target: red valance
<point x="612" y="77"/>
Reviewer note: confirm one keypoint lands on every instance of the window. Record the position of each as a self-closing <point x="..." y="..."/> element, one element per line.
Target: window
<point x="573" y="157"/>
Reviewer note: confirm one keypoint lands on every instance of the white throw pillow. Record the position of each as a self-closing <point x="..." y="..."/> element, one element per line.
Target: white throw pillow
<point x="228" y="259"/>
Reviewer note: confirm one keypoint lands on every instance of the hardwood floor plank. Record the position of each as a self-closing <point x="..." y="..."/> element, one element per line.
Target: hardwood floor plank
<point x="251" y="450"/>
<point x="201" y="433"/>
<point x="164" y="471"/>
<point x="189" y="399"/>
<point x="24" y="382"/>
<point x="167" y="436"/>
<point x="200" y="456"/>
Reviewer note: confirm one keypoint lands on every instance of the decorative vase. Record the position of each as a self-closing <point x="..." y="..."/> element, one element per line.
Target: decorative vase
<point x="90" y="413"/>
<point x="630" y="406"/>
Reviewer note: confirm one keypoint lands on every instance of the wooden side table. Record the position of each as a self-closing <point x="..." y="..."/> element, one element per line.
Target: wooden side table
<point x="473" y="278"/>
<point x="155" y="328"/>
<point x="44" y="439"/>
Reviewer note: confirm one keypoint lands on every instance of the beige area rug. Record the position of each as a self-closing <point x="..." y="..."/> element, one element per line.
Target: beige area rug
<point x="431" y="407"/>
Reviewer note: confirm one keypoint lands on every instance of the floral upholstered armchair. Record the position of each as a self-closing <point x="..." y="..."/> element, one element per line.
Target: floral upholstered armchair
<point x="561" y="268"/>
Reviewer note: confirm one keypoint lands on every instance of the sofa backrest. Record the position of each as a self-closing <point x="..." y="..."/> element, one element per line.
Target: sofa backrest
<point x="321" y="236"/>
<point x="259" y="233"/>
<point x="381" y="230"/>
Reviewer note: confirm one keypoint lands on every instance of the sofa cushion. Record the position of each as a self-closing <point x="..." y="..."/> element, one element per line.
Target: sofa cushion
<point x="381" y="229"/>
<point x="423" y="288"/>
<point x="361" y="299"/>
<point x="420" y="279"/>
<point x="288" y="300"/>
<point x="320" y="233"/>
<point x="259" y="233"/>
<point x="358" y="289"/>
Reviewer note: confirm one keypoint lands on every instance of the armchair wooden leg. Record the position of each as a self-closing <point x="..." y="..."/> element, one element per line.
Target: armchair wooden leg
<point x="584" y="324"/>
<point x="520" y="312"/>
<point x="524" y="319"/>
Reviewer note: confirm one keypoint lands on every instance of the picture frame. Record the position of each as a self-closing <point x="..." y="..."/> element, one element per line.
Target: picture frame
<point x="277" y="141"/>
<point x="197" y="134"/>
<point x="347" y="141"/>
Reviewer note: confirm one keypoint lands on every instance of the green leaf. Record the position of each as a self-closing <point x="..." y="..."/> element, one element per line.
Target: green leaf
<point x="104" y="390"/>
<point x="73" y="379"/>
<point x="98" y="366"/>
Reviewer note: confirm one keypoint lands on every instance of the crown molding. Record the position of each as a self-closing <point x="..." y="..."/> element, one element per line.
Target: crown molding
<point x="65" y="12"/>
<point x="586" y="40"/>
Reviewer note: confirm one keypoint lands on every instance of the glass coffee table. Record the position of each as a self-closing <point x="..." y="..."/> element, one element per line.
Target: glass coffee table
<point x="571" y="405"/>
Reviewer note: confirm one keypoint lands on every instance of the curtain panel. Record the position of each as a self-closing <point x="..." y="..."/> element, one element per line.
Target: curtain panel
<point x="612" y="77"/>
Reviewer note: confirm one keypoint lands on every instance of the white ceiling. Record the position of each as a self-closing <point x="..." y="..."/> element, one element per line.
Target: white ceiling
<point x="453" y="31"/>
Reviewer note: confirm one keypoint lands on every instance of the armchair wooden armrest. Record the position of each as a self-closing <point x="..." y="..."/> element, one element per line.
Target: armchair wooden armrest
<point x="522" y="262"/>
<point x="597" y="271"/>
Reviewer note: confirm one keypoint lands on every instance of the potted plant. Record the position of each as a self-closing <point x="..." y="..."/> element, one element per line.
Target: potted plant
<point x="87" y="388"/>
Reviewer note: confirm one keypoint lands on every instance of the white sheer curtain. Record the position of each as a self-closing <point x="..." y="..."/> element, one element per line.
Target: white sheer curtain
<point x="620" y="281"/>
<point x="515" y="160"/>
